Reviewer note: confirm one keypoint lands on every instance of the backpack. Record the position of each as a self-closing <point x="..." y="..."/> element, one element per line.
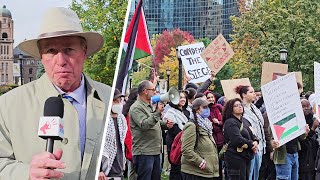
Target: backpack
<point x="175" y="153"/>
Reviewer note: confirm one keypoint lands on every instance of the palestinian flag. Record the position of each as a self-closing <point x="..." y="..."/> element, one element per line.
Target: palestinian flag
<point x="286" y="126"/>
<point x="136" y="45"/>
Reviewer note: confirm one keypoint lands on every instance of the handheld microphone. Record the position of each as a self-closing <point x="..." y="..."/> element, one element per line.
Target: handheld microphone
<point x="51" y="124"/>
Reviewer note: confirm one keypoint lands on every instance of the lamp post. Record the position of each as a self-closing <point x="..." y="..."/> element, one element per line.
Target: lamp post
<point x="283" y="55"/>
<point x="130" y="81"/>
<point x="180" y="71"/>
<point x="20" y="58"/>
<point x="168" y="71"/>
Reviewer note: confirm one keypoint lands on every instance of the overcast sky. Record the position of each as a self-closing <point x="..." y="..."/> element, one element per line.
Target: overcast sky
<point x="27" y="15"/>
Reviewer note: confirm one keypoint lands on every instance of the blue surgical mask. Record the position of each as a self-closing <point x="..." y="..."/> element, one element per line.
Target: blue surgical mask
<point x="205" y="113"/>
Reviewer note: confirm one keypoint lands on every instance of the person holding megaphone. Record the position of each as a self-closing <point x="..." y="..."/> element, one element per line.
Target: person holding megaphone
<point x="146" y="133"/>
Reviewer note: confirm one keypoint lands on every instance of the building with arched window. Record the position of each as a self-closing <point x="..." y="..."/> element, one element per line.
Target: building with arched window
<point x="6" y="46"/>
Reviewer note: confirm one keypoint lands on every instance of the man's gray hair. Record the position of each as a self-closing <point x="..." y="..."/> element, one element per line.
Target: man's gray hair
<point x="143" y="85"/>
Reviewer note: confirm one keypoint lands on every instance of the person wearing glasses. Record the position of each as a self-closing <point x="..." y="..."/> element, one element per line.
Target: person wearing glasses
<point x="242" y="144"/>
<point x="146" y="133"/>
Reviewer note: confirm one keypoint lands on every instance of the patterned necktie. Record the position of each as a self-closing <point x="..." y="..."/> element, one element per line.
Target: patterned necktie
<point x="70" y="99"/>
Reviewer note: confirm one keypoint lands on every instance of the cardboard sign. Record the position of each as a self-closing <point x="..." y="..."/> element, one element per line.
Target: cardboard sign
<point x="229" y="86"/>
<point x="217" y="54"/>
<point x="272" y="71"/>
<point x="193" y="64"/>
<point x="299" y="77"/>
<point x="283" y="105"/>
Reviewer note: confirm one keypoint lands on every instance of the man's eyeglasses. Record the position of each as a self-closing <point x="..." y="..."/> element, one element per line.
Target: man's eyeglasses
<point x="151" y="90"/>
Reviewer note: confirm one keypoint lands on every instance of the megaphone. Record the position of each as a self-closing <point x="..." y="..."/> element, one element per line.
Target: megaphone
<point x="171" y="96"/>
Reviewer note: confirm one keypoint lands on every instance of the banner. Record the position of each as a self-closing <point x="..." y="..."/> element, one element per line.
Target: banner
<point x="217" y="54"/>
<point x="272" y="71"/>
<point x="284" y="110"/>
<point x="193" y="64"/>
<point x="16" y="69"/>
<point x="229" y="86"/>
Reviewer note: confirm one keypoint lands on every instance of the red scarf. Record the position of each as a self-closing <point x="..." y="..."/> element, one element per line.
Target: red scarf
<point x="215" y="111"/>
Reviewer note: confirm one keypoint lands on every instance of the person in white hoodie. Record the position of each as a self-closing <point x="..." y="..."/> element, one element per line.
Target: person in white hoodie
<point x="177" y="114"/>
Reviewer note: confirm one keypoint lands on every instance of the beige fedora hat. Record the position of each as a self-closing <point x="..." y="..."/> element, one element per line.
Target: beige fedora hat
<point x="59" y="22"/>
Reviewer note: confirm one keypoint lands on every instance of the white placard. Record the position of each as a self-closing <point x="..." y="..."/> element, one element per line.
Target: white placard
<point x="284" y="109"/>
<point x="193" y="64"/>
<point x="316" y="103"/>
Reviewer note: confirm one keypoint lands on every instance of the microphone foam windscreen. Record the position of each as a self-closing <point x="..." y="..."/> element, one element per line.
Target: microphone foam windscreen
<point x="53" y="107"/>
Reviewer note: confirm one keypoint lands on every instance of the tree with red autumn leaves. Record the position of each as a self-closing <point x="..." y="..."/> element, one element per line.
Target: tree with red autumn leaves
<point x="168" y="40"/>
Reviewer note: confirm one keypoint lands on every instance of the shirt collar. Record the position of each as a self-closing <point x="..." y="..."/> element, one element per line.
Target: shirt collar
<point x="79" y="94"/>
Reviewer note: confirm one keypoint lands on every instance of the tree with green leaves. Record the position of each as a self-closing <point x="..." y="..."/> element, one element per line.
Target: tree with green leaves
<point x="268" y="26"/>
<point x="40" y="70"/>
<point x="106" y="17"/>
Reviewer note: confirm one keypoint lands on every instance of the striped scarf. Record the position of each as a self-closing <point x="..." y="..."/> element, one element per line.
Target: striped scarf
<point x="205" y="123"/>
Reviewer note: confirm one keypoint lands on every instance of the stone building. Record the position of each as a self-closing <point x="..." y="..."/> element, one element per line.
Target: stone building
<point x="30" y="66"/>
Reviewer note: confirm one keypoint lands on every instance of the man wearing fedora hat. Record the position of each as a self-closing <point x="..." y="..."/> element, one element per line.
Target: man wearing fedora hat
<point x="63" y="47"/>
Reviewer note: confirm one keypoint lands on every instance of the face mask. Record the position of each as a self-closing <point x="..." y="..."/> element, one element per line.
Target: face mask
<point x="117" y="108"/>
<point x="205" y="113"/>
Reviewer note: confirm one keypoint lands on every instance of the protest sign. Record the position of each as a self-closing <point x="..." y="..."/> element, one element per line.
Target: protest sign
<point x="193" y="64"/>
<point x="229" y="86"/>
<point x="272" y="71"/>
<point x="316" y="103"/>
<point x="283" y="105"/>
<point x="217" y="54"/>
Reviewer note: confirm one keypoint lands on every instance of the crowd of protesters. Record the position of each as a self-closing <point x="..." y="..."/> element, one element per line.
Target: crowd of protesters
<point x="219" y="138"/>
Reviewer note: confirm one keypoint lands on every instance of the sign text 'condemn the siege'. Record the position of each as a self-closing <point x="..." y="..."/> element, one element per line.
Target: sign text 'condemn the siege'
<point x="193" y="64"/>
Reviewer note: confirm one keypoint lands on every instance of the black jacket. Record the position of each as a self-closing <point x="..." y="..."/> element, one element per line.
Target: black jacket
<point x="309" y="147"/>
<point x="237" y="139"/>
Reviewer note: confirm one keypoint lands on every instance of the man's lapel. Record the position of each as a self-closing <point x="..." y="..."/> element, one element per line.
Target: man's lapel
<point x="96" y="111"/>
